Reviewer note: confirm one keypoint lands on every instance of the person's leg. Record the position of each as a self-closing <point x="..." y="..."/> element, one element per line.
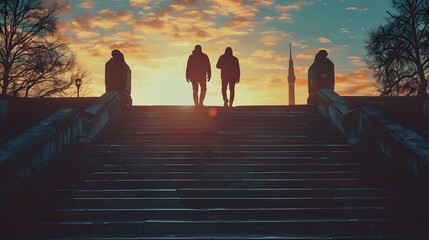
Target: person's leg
<point x="195" y="91"/>
<point x="225" y="97"/>
<point x="203" y="85"/>
<point x="231" y="92"/>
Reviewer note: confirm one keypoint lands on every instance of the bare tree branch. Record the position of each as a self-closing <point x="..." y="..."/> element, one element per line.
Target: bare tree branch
<point x="32" y="63"/>
<point x="398" y="50"/>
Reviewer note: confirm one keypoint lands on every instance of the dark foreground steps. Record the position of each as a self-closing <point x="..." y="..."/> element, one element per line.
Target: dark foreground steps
<point x="213" y="173"/>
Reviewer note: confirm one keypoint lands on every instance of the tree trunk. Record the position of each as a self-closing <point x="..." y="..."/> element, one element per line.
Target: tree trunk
<point x="423" y="81"/>
<point x="423" y="86"/>
<point x="5" y="83"/>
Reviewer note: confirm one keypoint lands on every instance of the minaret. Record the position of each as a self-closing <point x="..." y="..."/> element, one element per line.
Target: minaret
<point x="291" y="79"/>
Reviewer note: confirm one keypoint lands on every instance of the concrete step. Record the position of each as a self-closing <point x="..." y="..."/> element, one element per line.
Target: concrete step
<point x="214" y="183"/>
<point x="74" y="161"/>
<point x="208" y="142"/>
<point x="224" y="147"/>
<point x="216" y="192"/>
<point x="209" y="153"/>
<point x="194" y="214"/>
<point x="209" y="202"/>
<point x="213" y="173"/>
<point x="207" y="166"/>
<point x="62" y="175"/>
<point x="156" y="228"/>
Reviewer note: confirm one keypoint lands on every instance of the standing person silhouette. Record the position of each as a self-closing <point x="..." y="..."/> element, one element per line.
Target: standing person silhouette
<point x="118" y="76"/>
<point x="230" y="74"/>
<point x="198" y="71"/>
<point x="321" y="74"/>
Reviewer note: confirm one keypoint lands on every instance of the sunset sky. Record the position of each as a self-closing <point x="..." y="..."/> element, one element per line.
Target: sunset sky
<point x="157" y="36"/>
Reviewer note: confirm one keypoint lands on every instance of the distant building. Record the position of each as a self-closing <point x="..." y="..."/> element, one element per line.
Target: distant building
<point x="291" y="79"/>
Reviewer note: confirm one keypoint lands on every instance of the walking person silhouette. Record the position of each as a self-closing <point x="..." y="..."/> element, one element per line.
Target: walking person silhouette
<point x="198" y="71"/>
<point x="230" y="74"/>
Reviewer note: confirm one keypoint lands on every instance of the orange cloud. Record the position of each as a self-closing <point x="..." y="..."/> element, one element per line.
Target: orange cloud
<point x="293" y="7"/>
<point x="88" y="4"/>
<point x="240" y="22"/>
<point x="190" y="25"/>
<point x="268" y="54"/>
<point x="268" y="19"/>
<point x="226" y="40"/>
<point x="355" y="60"/>
<point x="86" y="34"/>
<point x="357" y="83"/>
<point x="178" y="7"/>
<point x="305" y="56"/>
<point x="138" y="3"/>
<point x="270" y="40"/>
<point x="108" y="20"/>
<point x="262" y="2"/>
<point x="301" y="70"/>
<point x="243" y="15"/>
<point x="324" y="40"/>
<point x="286" y="17"/>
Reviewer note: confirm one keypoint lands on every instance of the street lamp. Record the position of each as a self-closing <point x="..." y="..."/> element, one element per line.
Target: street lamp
<point x="78" y="83"/>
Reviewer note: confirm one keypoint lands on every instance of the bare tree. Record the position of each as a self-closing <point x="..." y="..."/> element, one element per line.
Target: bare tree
<point x="398" y="51"/>
<point x="34" y="62"/>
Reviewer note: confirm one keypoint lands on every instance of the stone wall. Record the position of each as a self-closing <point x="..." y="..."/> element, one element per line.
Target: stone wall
<point x="407" y="108"/>
<point x="17" y="112"/>
<point x="405" y="150"/>
<point x="30" y="151"/>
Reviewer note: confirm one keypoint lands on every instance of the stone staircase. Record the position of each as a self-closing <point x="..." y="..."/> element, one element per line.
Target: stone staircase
<point x="214" y="173"/>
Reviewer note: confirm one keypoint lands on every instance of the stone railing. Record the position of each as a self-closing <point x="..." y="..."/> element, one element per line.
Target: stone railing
<point x="406" y="149"/>
<point x="340" y="112"/>
<point x="31" y="151"/>
<point x="97" y="116"/>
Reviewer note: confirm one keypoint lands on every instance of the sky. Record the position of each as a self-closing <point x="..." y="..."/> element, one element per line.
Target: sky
<point x="157" y="36"/>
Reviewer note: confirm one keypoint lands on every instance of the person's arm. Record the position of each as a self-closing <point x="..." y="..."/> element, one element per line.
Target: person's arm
<point x="333" y="76"/>
<point x="107" y="77"/>
<point x="209" y="69"/>
<point x="310" y="79"/>
<point x="188" y="69"/>
<point x="219" y="63"/>
<point x="238" y="71"/>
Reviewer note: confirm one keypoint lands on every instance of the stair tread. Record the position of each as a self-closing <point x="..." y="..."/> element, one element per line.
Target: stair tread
<point x="168" y="172"/>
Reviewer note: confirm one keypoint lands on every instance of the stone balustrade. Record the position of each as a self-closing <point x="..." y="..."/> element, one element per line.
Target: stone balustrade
<point x="30" y="151"/>
<point x="406" y="151"/>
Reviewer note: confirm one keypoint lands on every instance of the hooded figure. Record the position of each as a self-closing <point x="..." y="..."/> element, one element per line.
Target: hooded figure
<point x="198" y="71"/>
<point x="118" y="76"/>
<point x="320" y="75"/>
<point x="230" y="74"/>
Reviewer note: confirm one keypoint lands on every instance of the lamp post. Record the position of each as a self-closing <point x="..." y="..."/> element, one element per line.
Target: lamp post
<point x="78" y="83"/>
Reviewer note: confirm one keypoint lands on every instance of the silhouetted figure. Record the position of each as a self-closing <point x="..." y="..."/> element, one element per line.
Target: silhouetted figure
<point x="118" y="76"/>
<point x="198" y="71"/>
<point x="320" y="75"/>
<point x="230" y="74"/>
